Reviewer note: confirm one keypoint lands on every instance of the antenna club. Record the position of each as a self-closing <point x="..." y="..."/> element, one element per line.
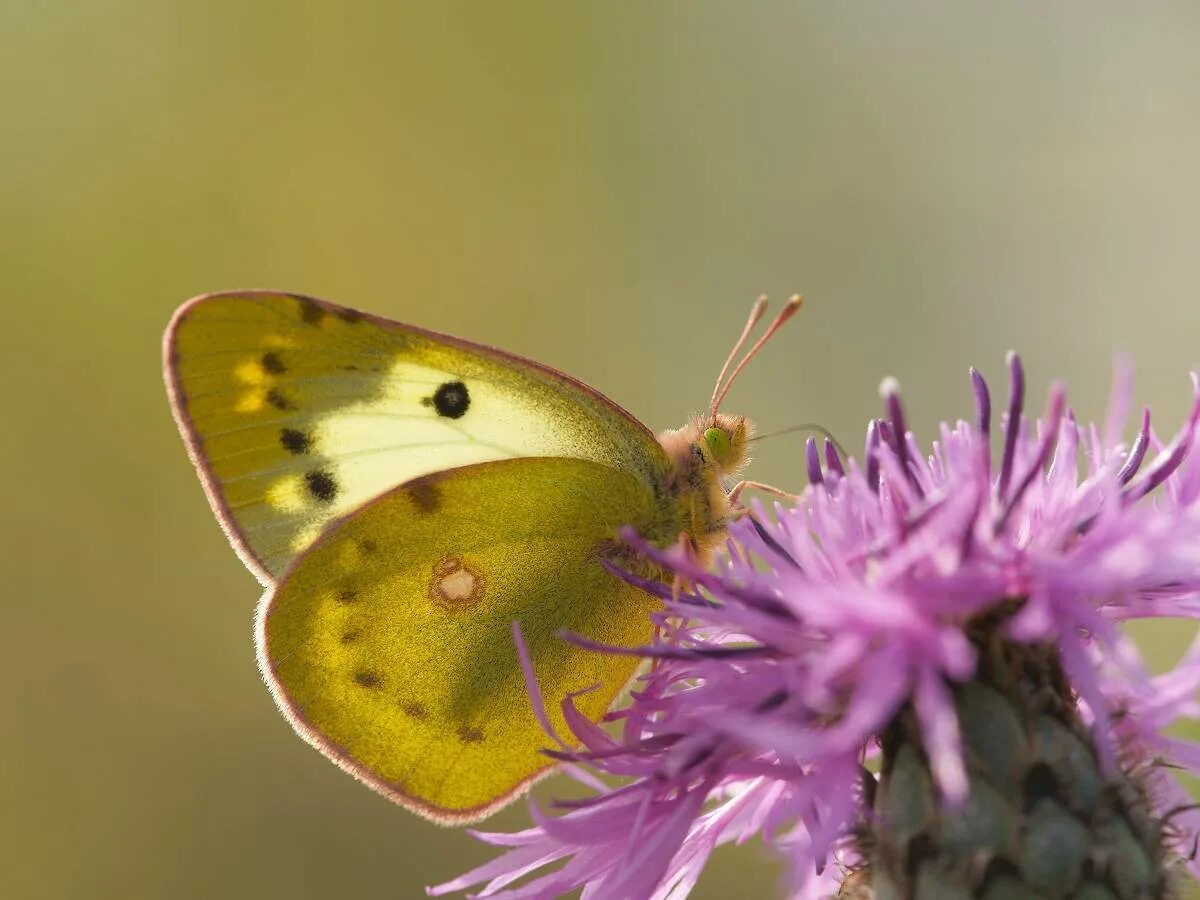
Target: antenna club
<point x="790" y="309"/>
<point x="756" y="313"/>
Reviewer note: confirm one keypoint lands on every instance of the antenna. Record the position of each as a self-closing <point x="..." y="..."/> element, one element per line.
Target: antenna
<point x="756" y="313"/>
<point x="806" y="426"/>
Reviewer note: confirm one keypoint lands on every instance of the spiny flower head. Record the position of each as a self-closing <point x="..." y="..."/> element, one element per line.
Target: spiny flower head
<point x="907" y="602"/>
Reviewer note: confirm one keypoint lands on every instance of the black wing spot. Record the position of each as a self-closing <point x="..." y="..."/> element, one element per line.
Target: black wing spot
<point x="279" y="401"/>
<point x="366" y="678"/>
<point x="310" y="311"/>
<point x="346" y="595"/>
<point x="469" y="734"/>
<point x="272" y="363"/>
<point x="294" y="441"/>
<point x="451" y="400"/>
<point x="349" y="637"/>
<point x="367" y="546"/>
<point x="416" y="710"/>
<point x="321" y="485"/>
<point x="425" y="495"/>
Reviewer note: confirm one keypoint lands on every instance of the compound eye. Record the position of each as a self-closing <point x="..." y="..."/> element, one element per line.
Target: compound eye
<point x="717" y="440"/>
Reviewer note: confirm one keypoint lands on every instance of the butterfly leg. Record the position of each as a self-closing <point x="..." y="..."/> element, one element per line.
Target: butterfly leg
<point x="687" y="548"/>
<point x="736" y="492"/>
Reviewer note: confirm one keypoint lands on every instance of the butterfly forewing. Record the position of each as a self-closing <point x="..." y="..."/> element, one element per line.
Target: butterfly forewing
<point x="388" y="644"/>
<point x="298" y="411"/>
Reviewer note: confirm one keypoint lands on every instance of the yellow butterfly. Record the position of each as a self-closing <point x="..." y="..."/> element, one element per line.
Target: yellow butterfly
<point x="404" y="496"/>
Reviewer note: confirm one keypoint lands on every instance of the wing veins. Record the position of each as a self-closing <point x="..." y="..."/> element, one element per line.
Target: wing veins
<point x="296" y="467"/>
<point x="275" y="446"/>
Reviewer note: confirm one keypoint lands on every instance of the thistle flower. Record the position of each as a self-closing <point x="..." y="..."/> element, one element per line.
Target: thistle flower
<point x="913" y="682"/>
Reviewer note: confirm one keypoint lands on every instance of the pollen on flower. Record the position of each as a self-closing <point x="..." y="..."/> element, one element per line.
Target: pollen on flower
<point x="916" y="667"/>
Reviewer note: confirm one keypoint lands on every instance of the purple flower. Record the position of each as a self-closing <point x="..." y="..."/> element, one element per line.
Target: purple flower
<point x="890" y="605"/>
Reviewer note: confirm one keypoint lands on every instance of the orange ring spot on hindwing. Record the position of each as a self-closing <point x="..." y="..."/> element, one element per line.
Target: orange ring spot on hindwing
<point x="454" y="584"/>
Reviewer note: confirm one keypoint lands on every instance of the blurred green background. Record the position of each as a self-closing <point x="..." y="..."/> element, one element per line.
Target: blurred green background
<point x="603" y="187"/>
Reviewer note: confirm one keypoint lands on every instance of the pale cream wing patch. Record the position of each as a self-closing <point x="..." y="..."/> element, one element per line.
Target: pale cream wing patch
<point x="297" y="411"/>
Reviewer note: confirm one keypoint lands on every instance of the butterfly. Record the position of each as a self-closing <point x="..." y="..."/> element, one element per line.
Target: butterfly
<point x="404" y="496"/>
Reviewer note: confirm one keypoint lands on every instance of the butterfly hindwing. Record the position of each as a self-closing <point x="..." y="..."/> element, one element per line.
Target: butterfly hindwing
<point x="388" y="643"/>
<point x="297" y="411"/>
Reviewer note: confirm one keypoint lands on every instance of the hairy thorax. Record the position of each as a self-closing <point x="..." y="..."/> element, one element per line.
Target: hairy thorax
<point x="704" y="453"/>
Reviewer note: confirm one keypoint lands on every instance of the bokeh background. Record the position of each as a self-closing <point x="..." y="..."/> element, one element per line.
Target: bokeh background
<point x="602" y="186"/>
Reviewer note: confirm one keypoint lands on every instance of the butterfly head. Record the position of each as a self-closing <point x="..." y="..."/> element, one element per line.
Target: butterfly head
<point x="724" y="442"/>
